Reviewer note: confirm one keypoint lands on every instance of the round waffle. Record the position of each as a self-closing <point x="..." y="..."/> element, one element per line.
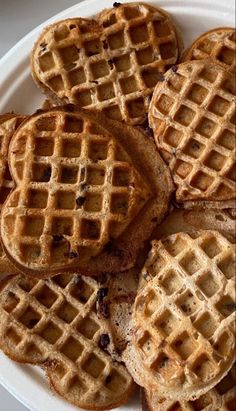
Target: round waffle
<point x="183" y="339"/>
<point x="218" y="44"/>
<point x="222" y="397"/>
<point x="88" y="192"/>
<point x="8" y="125"/>
<point x="111" y="64"/>
<point x="192" y="114"/>
<point x="60" y="325"/>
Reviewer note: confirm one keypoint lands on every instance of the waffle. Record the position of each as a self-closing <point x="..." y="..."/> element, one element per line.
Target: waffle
<point x="57" y="324"/>
<point x="8" y="125"/>
<point x="180" y="220"/>
<point x="83" y="198"/>
<point x="111" y="64"/>
<point x="222" y="397"/>
<point x="192" y="114"/>
<point x="218" y="44"/>
<point x="183" y="340"/>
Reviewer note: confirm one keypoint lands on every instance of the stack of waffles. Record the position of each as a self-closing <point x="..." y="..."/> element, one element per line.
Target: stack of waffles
<point x="117" y="203"/>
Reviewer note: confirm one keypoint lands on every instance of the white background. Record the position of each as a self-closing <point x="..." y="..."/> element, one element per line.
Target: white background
<point x="17" y="18"/>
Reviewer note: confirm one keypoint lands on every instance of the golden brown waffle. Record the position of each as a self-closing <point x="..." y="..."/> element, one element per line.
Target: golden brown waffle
<point x="111" y="64"/>
<point x="60" y="324"/>
<point x="183" y="339"/>
<point x="218" y="43"/>
<point x="8" y="125"/>
<point x="192" y="114"/>
<point x="193" y="220"/>
<point x="86" y="187"/>
<point x="222" y="397"/>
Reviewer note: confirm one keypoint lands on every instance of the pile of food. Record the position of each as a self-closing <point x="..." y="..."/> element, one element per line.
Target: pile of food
<point x="118" y="214"/>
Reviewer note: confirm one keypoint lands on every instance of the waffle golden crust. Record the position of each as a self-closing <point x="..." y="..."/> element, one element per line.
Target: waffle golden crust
<point x="88" y="192"/>
<point x="218" y="43"/>
<point x="110" y="64"/>
<point x="8" y="125"/>
<point x="183" y="339"/>
<point x="59" y="324"/>
<point x="222" y="397"/>
<point x="192" y="114"/>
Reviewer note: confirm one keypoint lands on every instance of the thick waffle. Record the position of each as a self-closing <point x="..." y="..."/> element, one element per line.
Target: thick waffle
<point x="222" y="397"/>
<point x="8" y="125"/>
<point x="111" y="64"/>
<point x="122" y="288"/>
<point x="86" y="187"/>
<point x="183" y="339"/>
<point x="192" y="114"/>
<point x="218" y="44"/>
<point x="60" y="324"/>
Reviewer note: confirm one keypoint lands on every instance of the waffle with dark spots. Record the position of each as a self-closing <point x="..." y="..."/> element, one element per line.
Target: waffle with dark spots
<point x="219" y="44"/>
<point x="110" y="64"/>
<point x="183" y="340"/>
<point x="8" y="125"/>
<point x="222" y="397"/>
<point x="83" y="199"/>
<point x="56" y="324"/>
<point x="192" y="114"/>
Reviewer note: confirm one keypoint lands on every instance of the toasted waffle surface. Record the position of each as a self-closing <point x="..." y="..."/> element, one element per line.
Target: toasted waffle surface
<point x="57" y="323"/>
<point x="80" y="188"/>
<point x="183" y="340"/>
<point x="8" y="125"/>
<point x="111" y="64"/>
<point x="192" y="114"/>
<point x="218" y="43"/>
<point x="222" y="397"/>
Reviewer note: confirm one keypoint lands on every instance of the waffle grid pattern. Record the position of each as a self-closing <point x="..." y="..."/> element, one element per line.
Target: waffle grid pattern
<point x="116" y="67"/>
<point x="199" y="139"/>
<point x="185" y="315"/>
<point x="79" y="189"/>
<point x="219" y="44"/>
<point x="222" y="397"/>
<point x="56" y="321"/>
<point x="7" y="128"/>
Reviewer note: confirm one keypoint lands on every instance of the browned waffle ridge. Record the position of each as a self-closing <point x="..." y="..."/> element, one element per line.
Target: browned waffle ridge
<point x="222" y="397"/>
<point x="110" y="64"/>
<point x="86" y="187"/>
<point x="218" y="43"/>
<point x="192" y="114"/>
<point x="183" y="342"/>
<point x="8" y="124"/>
<point x="55" y="323"/>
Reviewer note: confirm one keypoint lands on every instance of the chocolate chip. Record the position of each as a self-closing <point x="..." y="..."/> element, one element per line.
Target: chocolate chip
<point x="116" y="4"/>
<point x="103" y="309"/>
<point x="80" y="201"/>
<point x="111" y="63"/>
<point x="70" y="107"/>
<point x="57" y="238"/>
<point x="78" y="280"/>
<point x="174" y="69"/>
<point x="112" y="249"/>
<point x="104" y="341"/>
<point x="102" y="293"/>
<point x="71" y="255"/>
<point x="94" y="81"/>
<point x="32" y="322"/>
<point x="148" y="130"/>
<point x="161" y="77"/>
<point x="195" y="146"/>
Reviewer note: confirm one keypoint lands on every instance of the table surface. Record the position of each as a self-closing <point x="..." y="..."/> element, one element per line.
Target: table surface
<point x="17" y="18"/>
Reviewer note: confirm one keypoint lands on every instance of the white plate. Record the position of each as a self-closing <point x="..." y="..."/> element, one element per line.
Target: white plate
<point x="19" y="93"/>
